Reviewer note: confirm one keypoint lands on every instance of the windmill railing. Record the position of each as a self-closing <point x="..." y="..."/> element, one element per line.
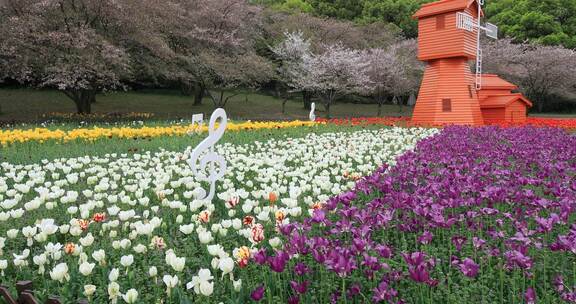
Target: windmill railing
<point x="25" y="295"/>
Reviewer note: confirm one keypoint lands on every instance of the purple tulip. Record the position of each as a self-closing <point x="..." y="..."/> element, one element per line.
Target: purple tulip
<point x="419" y="273"/>
<point x="426" y="237"/>
<point x="469" y="268"/>
<point x="300" y="288"/>
<point x="260" y="256"/>
<point x="383" y="293"/>
<point x="384" y="251"/>
<point x="294" y="300"/>
<point x="278" y="263"/>
<point x="353" y="290"/>
<point x="478" y="242"/>
<point x="301" y="269"/>
<point x="341" y="262"/>
<point x="258" y="293"/>
<point x="458" y="242"/>
<point x="530" y="296"/>
<point x="512" y="189"/>
<point x="414" y="259"/>
<point x="318" y="216"/>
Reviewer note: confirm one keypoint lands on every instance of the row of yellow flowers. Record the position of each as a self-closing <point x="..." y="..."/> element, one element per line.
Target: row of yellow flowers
<point x="8" y="137"/>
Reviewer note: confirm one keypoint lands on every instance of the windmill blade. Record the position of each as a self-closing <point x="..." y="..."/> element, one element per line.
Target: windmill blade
<point x="491" y="30"/>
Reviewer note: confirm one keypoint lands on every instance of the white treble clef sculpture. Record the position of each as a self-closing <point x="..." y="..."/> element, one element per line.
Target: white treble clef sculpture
<point x="312" y="115"/>
<point x="216" y="164"/>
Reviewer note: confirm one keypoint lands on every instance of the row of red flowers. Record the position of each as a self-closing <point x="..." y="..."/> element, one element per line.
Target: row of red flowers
<point x="406" y="121"/>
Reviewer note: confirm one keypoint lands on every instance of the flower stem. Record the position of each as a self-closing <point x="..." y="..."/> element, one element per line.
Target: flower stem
<point x="344" y="290"/>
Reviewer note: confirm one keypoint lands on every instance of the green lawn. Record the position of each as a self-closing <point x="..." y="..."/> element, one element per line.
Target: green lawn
<point x="25" y="105"/>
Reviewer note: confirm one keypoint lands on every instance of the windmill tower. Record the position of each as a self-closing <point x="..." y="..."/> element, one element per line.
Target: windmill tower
<point x="449" y="37"/>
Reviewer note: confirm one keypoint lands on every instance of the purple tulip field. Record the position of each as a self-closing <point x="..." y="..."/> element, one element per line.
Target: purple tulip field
<point x="471" y="215"/>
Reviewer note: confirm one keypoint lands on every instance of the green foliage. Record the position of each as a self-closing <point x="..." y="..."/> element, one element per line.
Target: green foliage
<point x="550" y="22"/>
<point x="398" y="12"/>
<point x="286" y="5"/>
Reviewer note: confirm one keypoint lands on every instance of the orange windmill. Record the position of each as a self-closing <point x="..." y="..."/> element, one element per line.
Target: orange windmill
<point x="449" y="37"/>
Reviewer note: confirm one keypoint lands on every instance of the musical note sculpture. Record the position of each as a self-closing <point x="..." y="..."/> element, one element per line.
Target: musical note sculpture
<point x="204" y="160"/>
<point x="312" y="116"/>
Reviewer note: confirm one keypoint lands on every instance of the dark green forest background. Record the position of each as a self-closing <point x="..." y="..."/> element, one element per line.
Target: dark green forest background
<point x="549" y="22"/>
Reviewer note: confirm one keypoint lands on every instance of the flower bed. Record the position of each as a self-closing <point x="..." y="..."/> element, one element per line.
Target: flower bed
<point x="8" y="137"/>
<point x="473" y="215"/>
<point x="127" y="228"/>
<point x="569" y="124"/>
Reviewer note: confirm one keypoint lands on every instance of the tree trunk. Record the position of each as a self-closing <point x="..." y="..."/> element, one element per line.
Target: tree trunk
<point x="307" y="96"/>
<point x="198" y="94"/>
<point x="220" y="100"/>
<point x="380" y="101"/>
<point x="540" y="106"/>
<point x="400" y="104"/>
<point x="83" y="100"/>
<point x="186" y="88"/>
<point x="284" y="100"/>
<point x="327" y="104"/>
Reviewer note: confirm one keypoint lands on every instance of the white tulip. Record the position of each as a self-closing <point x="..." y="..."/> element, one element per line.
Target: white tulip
<point x="275" y="242"/>
<point x="178" y="264"/>
<point x="202" y="283"/>
<point x="89" y="290"/>
<point x="12" y="233"/>
<point x="60" y="273"/>
<point x="187" y="229"/>
<point x="40" y="260"/>
<point x="131" y="296"/>
<point x="206" y="288"/>
<point x="75" y="231"/>
<point x="113" y="275"/>
<point x="99" y="256"/>
<point x="153" y="271"/>
<point x="113" y="291"/>
<point x="237" y="224"/>
<point x="87" y="241"/>
<point x="215" y="262"/>
<point x="64" y="229"/>
<point x="86" y="268"/>
<point x="139" y="248"/>
<point x="125" y="243"/>
<point x="3" y="266"/>
<point x="127" y="260"/>
<point x="237" y="285"/>
<point x="226" y="265"/>
<point x="170" y="282"/>
<point x="205" y="237"/>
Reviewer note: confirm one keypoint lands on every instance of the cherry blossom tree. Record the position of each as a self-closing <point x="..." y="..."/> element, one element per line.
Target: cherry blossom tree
<point x="320" y="32"/>
<point x="290" y="55"/>
<point x="210" y="35"/>
<point x="220" y="73"/>
<point x="66" y="45"/>
<point x="540" y="71"/>
<point x="336" y="71"/>
<point x="394" y="72"/>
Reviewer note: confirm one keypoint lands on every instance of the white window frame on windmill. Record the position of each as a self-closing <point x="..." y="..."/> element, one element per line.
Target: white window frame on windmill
<point x="466" y="22"/>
